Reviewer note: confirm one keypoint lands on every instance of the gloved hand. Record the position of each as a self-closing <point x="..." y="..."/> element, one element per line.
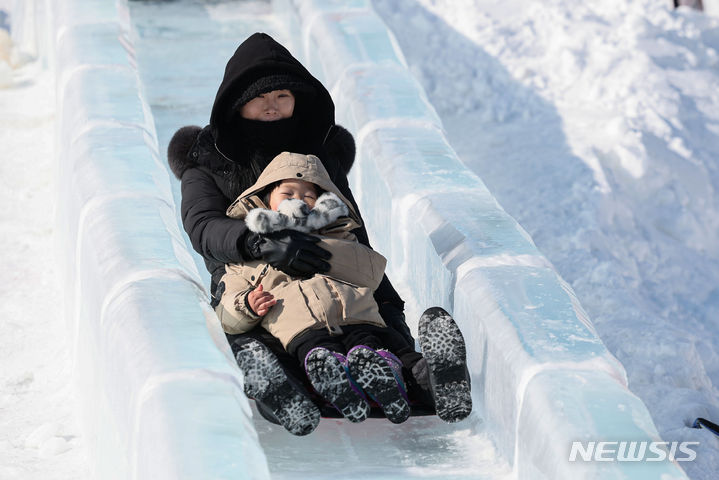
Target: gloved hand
<point x="293" y="252"/>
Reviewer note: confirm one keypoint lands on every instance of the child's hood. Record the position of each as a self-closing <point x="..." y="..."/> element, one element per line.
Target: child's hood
<point x="286" y="166"/>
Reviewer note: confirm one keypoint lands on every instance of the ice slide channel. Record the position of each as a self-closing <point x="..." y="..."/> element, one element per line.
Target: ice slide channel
<point x="162" y="397"/>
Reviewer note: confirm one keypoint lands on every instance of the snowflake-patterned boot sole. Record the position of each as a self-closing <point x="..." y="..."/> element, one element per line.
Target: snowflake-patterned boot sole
<point x="374" y="375"/>
<point x="267" y="383"/>
<point x="444" y="349"/>
<point x="328" y="376"/>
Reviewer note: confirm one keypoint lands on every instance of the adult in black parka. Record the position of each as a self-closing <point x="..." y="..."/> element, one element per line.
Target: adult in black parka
<point x="216" y="163"/>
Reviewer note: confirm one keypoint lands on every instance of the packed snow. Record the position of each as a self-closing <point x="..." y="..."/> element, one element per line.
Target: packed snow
<point x="595" y="124"/>
<point x="39" y="433"/>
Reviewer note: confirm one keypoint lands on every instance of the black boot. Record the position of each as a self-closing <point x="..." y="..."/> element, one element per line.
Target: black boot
<point x="445" y="352"/>
<point x="268" y="384"/>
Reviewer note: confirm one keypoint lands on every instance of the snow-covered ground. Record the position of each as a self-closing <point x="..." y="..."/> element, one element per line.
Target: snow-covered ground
<point x="39" y="434"/>
<point x="596" y="125"/>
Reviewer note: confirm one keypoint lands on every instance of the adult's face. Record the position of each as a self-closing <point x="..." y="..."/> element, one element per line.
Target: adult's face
<point x="270" y="106"/>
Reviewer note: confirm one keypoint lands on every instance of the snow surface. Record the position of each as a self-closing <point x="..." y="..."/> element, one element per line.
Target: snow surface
<point x="602" y="143"/>
<point x="39" y="434"/>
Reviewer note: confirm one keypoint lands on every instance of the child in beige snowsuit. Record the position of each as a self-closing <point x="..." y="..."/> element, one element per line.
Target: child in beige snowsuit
<point x="330" y="322"/>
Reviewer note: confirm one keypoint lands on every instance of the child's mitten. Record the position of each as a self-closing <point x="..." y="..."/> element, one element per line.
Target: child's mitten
<point x="328" y="208"/>
<point x="294" y="214"/>
<point x="263" y="220"/>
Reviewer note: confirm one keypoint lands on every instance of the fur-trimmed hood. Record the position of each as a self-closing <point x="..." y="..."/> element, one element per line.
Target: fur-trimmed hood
<point x="238" y="149"/>
<point x="179" y="155"/>
<point x="190" y="146"/>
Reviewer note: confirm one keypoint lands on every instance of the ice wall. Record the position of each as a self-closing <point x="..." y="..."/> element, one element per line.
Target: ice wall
<point x="161" y="396"/>
<point x="541" y="376"/>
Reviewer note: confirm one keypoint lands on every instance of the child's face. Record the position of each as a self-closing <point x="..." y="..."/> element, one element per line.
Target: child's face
<point x="305" y="191"/>
<point x="270" y="106"/>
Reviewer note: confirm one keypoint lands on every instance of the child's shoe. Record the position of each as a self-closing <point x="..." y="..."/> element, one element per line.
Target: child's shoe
<point x="444" y="349"/>
<point x="329" y="376"/>
<point x="379" y="374"/>
<point x="269" y="385"/>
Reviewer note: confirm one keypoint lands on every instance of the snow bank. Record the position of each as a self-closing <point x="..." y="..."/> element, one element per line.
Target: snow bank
<point x="542" y="378"/>
<point x="162" y="398"/>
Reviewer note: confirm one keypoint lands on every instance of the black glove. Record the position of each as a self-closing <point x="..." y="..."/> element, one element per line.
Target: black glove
<point x="293" y="252"/>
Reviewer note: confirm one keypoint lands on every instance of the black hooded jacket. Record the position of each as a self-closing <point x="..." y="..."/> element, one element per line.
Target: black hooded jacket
<point x="216" y="163"/>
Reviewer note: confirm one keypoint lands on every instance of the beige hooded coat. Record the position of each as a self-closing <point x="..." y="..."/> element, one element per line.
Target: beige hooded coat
<point x="343" y="296"/>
